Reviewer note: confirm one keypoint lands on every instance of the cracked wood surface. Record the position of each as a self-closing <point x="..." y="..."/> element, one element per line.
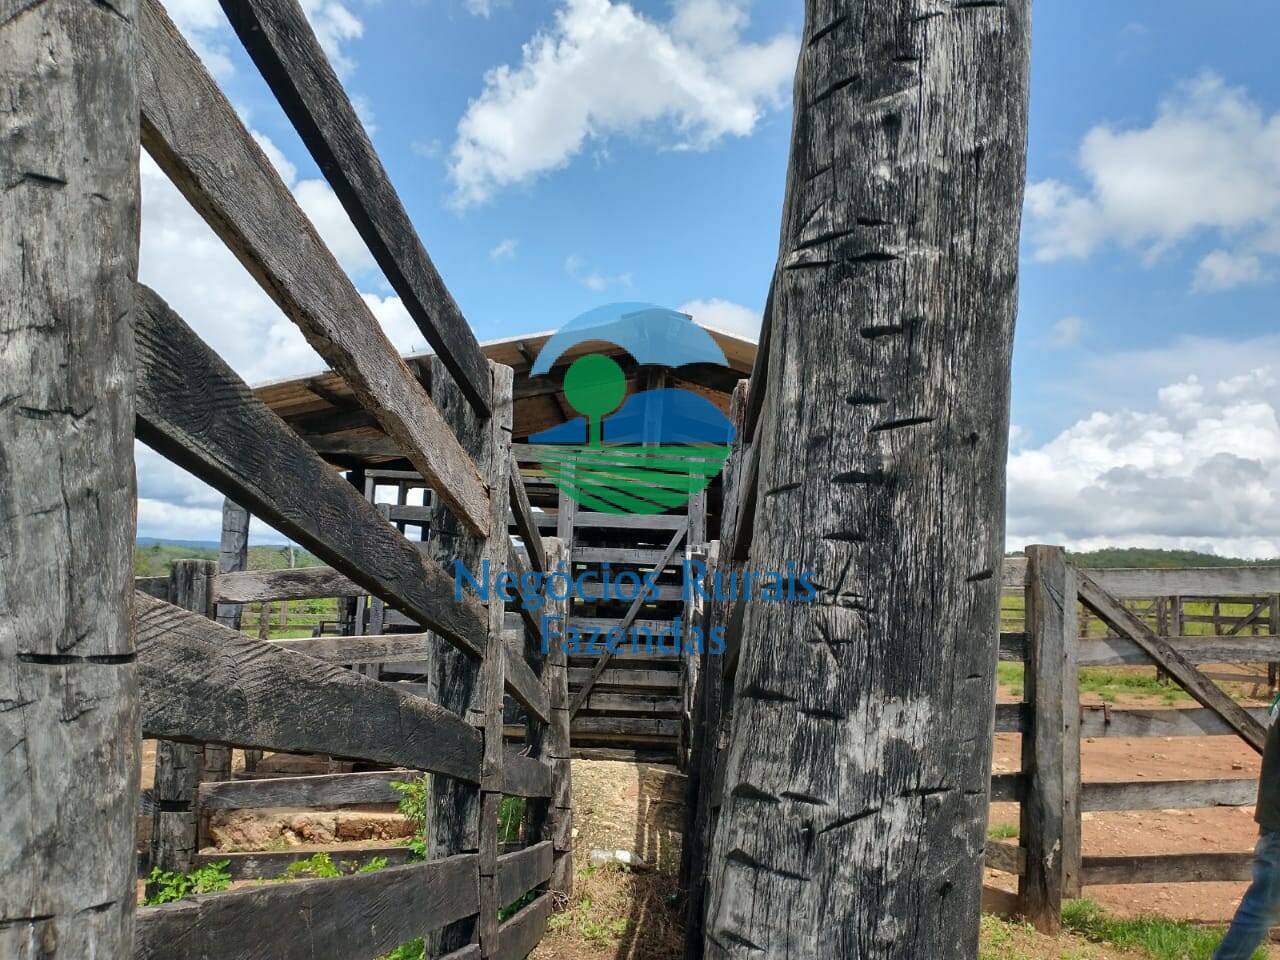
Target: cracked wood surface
<point x="855" y="798"/>
<point x="68" y="687"/>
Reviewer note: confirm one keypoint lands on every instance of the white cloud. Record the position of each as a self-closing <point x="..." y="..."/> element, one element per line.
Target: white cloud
<point x="325" y="211"/>
<point x="1201" y="471"/>
<point x="484" y="8"/>
<point x="1207" y="167"/>
<point x="334" y="25"/>
<point x="593" y="279"/>
<point x="725" y="315"/>
<point x="605" y="70"/>
<point x="505" y="250"/>
<point x="1067" y="332"/>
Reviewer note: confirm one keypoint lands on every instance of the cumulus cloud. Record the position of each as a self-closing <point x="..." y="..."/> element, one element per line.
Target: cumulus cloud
<point x="591" y="278"/>
<point x="605" y="70"/>
<point x="725" y="315"/>
<point x="1199" y="469"/>
<point x="1206" y="167"/>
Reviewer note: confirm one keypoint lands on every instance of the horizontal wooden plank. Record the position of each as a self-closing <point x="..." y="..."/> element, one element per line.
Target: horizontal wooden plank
<point x="197" y="138"/>
<point x="1012" y="717"/>
<point x="270" y="864"/>
<point x="626" y="593"/>
<point x="524" y="776"/>
<point x="1170" y="722"/>
<point x="1169" y="794"/>
<point x="1189" y="581"/>
<point x="323" y="790"/>
<point x="375" y="648"/>
<point x="1166" y="868"/>
<point x="282" y="44"/>
<point x="157" y="587"/>
<point x="525" y="521"/>
<point x="1007" y="787"/>
<point x="1013" y="647"/>
<point x="586" y="519"/>
<point x="193" y="409"/>
<point x="303" y="583"/>
<point x="1006" y="857"/>
<point x="520" y="934"/>
<point x="637" y="726"/>
<point x="602" y="625"/>
<point x="408" y="513"/>
<point x="1013" y="574"/>
<point x="659" y="679"/>
<point x="522" y="870"/>
<point x="603" y="700"/>
<point x="357" y="917"/>
<point x="622" y="556"/>
<point x="1114" y="651"/>
<point x="204" y="683"/>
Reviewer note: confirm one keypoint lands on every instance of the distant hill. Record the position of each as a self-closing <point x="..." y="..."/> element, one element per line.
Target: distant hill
<point x="1160" y="559"/>
<point x="152" y="557"/>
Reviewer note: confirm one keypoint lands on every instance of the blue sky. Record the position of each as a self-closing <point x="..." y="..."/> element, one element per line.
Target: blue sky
<point x="557" y="154"/>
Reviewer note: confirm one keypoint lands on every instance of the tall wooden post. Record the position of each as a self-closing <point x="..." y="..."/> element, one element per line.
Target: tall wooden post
<point x="462" y="818"/>
<point x="69" y="740"/>
<point x="233" y="556"/>
<point x="855" y="790"/>
<point x="1050" y="829"/>
<point x="180" y="767"/>
<point x="555" y="748"/>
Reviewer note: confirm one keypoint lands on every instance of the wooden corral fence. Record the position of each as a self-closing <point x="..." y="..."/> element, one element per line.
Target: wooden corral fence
<point x="1048" y="858"/>
<point x="99" y="357"/>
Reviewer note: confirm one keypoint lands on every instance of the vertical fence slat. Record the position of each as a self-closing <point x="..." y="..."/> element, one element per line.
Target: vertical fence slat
<point x="1051" y="748"/>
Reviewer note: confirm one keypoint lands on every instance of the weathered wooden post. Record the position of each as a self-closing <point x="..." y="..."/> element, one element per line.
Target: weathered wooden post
<point x="233" y="556"/>
<point x="1050" y="830"/>
<point x="556" y="677"/>
<point x="463" y="818"/>
<point x="855" y="789"/>
<point x="180" y="767"/>
<point x="69" y="740"/>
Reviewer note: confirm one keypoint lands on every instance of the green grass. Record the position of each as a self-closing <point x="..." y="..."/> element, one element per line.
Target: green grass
<point x="1002" y="831"/>
<point x="1158" y="938"/>
<point x="1107" y="683"/>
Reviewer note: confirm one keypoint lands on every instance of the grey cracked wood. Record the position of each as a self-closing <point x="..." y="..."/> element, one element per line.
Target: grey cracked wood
<point x="854" y="812"/>
<point x="193" y="409"/>
<point x="196" y="137"/>
<point x="69" y="749"/>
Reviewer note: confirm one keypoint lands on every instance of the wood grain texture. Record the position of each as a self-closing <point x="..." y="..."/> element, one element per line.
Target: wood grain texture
<point x="204" y="683"/>
<point x="1171" y="722"/>
<point x="324" y="790"/>
<point x="519" y="935"/>
<point x="855" y="793"/>
<point x="197" y="412"/>
<point x="1168" y="868"/>
<point x="69" y="750"/>
<point x="526" y="524"/>
<point x="358" y="917"/>
<point x="521" y="871"/>
<point x="1113" y="651"/>
<point x="302" y="583"/>
<point x="233" y="555"/>
<point x="387" y="648"/>
<point x="1169" y="794"/>
<point x="195" y="136"/>
<point x="1120" y="619"/>
<point x="268" y="865"/>
<point x="282" y="44"/>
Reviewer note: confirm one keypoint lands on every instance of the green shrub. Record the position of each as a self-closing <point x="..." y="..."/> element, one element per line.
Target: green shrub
<point x="167" y="887"/>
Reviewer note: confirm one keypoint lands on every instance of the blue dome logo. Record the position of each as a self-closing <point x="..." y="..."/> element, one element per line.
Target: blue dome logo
<point x="644" y="453"/>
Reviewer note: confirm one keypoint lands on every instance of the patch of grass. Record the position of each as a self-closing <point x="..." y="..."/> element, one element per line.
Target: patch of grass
<point x="1159" y="938"/>
<point x="321" y="867"/>
<point x="415" y="796"/>
<point x="1002" y="831"/>
<point x="1108" y="683"/>
<point x="413" y="950"/>
<point x="167" y="887"/>
<point x="1010" y="675"/>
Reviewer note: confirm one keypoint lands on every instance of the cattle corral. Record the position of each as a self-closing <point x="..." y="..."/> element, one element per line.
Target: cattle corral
<point x="838" y="755"/>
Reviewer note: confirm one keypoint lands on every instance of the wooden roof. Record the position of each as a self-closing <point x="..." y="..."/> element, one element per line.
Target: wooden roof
<point x="321" y="406"/>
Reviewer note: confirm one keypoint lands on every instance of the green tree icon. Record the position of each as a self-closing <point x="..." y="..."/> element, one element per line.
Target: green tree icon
<point x="594" y="385"/>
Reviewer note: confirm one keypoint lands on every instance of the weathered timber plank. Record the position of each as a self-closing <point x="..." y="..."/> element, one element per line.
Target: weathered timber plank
<point x="197" y="412"/>
<point x="625" y="726"/>
<point x="1123" y="621"/>
<point x="1008" y="787"/>
<point x="281" y="42"/>
<point x="326" y="790"/>
<point x="1171" y="722"/>
<point x="302" y="583"/>
<point x="195" y="136"/>
<point x="268" y="865"/>
<point x="1112" y="651"/>
<point x="754" y="408"/>
<point x="1189" y="581"/>
<point x="619" y="556"/>
<point x="631" y="703"/>
<point x="586" y="519"/>
<point x="1012" y="717"/>
<point x="387" y="648"/>
<point x="524" y="684"/>
<point x="202" y="682"/>
<point x="521" y="871"/>
<point x="233" y="555"/>
<point x="519" y="935"/>
<point x="659" y="679"/>
<point x="524" y="776"/>
<point x="1006" y="857"/>
<point x="1013" y="647"/>
<point x="69" y="751"/>
<point x="339" y="446"/>
<point x="357" y="917"/>
<point x="1167" y="868"/>
<point x="157" y="587"/>
<point x="1169" y="794"/>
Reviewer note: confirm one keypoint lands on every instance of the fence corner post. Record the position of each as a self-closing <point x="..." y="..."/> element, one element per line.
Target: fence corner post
<point x="1051" y="747"/>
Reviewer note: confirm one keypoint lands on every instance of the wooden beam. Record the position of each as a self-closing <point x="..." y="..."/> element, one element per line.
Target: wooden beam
<point x="1169" y="794"/>
<point x="302" y="583"/>
<point x="193" y="409"/>
<point x="759" y="369"/>
<point x="520" y="934"/>
<point x="524" y="684"/>
<point x="524" y="776"/>
<point x="522" y="870"/>
<point x="1120" y="619"/>
<point x="1168" y="868"/>
<point x="69" y="750"/>
<point x="1105" y="721"/>
<point x="632" y="612"/>
<point x="1189" y="581"/>
<point x="1112" y="651"/>
<point x="331" y="446"/>
<point x="384" y="648"/>
<point x="271" y="864"/>
<point x="195" y="136"/>
<point x="357" y="917"/>
<point x="524" y="519"/>
<point x="281" y="42"/>
<point x="204" y="683"/>
<point x="325" y="790"/>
